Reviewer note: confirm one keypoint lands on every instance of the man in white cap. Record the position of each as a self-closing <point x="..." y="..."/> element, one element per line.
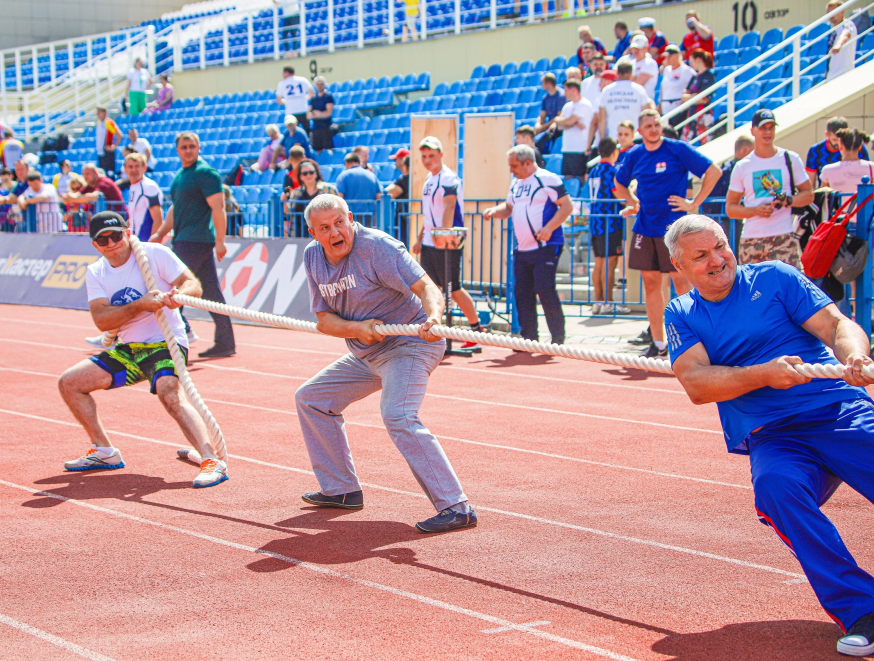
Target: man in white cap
<point x="646" y="71"/>
<point x="656" y="38"/>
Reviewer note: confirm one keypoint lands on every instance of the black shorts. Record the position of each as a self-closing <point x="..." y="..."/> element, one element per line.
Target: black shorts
<point x="322" y="139"/>
<point x="435" y="266"/>
<point x="574" y="165"/>
<point x="303" y="121"/>
<point x="649" y="253"/>
<point x="107" y="162"/>
<point x="607" y="245"/>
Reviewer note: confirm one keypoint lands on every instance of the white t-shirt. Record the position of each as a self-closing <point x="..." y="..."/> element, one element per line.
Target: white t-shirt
<point x="845" y="59"/>
<point x="845" y="176"/>
<point x="143" y="196"/>
<point x="139" y="79"/>
<point x="534" y="201"/>
<point x="295" y="91"/>
<point x="623" y="100"/>
<point x="590" y="89"/>
<point x="125" y="284"/>
<point x="140" y="147"/>
<point x="674" y="83"/>
<point x="760" y="179"/>
<point x="647" y="66"/>
<point x="574" y="139"/>
<point x="48" y="213"/>
<point x="445" y="182"/>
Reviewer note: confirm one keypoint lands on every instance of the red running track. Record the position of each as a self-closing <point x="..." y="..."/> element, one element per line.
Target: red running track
<point x="613" y="524"/>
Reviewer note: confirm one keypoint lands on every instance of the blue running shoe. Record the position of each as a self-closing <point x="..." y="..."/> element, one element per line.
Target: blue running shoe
<point x="354" y="500"/>
<point x="92" y="460"/>
<point x="447" y="521"/>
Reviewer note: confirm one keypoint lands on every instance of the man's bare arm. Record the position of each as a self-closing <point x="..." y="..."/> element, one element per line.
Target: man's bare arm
<point x="846" y="338"/>
<point x="216" y="202"/>
<point x="330" y="323"/>
<point x="432" y="303"/>
<point x="449" y="202"/>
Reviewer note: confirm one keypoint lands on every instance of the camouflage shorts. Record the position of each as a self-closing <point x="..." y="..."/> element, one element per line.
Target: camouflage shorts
<point x="783" y="247"/>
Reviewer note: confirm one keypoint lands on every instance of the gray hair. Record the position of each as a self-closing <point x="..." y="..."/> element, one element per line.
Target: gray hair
<point x="324" y="202"/>
<point x="272" y="130"/>
<point x="523" y="153"/>
<point x="690" y="224"/>
<point x="320" y="78"/>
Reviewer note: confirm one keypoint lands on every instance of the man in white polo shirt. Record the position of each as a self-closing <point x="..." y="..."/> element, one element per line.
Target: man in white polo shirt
<point x="295" y="92"/>
<point x="145" y="200"/>
<point x="622" y="101"/>
<point x="646" y="70"/>
<point x="578" y="129"/>
<point x="142" y="146"/>
<point x="675" y="81"/>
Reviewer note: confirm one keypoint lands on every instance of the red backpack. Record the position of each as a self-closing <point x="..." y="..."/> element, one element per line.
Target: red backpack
<point x="827" y="239"/>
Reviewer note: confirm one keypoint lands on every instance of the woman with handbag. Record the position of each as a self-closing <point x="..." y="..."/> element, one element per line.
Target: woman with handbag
<point x="846" y="175"/>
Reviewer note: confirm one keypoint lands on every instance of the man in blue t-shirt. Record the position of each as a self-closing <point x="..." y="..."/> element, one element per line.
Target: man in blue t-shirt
<point x="359" y="278"/>
<point x="550" y="107"/>
<point x="320" y="113"/>
<point x="734" y="340"/>
<point x="294" y="135"/>
<point x="661" y="167"/>
<point x="360" y="186"/>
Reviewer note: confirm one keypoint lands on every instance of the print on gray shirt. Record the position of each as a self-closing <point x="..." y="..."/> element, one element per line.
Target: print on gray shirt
<point x="371" y="282"/>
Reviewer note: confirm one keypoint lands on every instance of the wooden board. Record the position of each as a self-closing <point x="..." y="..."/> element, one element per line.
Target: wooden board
<point x="445" y="129"/>
<point x="486" y="141"/>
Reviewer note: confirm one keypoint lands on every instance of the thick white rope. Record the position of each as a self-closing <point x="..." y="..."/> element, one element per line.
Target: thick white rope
<point x="215" y="432"/>
<point x="816" y="371"/>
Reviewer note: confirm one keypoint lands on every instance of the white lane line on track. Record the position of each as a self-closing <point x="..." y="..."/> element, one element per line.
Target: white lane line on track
<point x="539" y="623"/>
<point x="459" y="610"/>
<point x="66" y="645"/>
<point x="452" y="397"/>
<point x="517" y="515"/>
<point x="468" y="441"/>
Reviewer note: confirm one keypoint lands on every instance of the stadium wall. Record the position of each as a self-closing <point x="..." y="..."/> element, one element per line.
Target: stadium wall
<point x="453" y="57"/>
<point x="36" y="21"/>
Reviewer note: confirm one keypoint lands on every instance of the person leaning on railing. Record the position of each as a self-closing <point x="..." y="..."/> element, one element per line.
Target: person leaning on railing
<point x="44" y="200"/>
<point x="841" y="42"/>
<point x="702" y="62"/>
<point x="6" y="186"/>
<point x="296" y="199"/>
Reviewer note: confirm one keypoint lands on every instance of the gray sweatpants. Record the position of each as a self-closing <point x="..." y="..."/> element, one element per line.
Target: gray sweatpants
<point x="402" y="374"/>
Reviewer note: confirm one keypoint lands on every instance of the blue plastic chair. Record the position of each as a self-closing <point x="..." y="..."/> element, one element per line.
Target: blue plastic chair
<point x="423" y="81"/>
<point x="446" y="102"/>
<point x="559" y="62"/>
<point x="771" y="38"/>
<point x="477" y="100"/>
<point x="418" y="105"/>
<point x="484" y="85"/>
<point x="727" y="58"/>
<point x="389" y="121"/>
<point x="456" y="87"/>
<point x="479" y="71"/>
<point x="494" y="99"/>
<point x="431" y="104"/>
<point x="510" y="68"/>
<point x="441" y="89"/>
<point x="493" y="70"/>
<point x="469" y="86"/>
<point x="750" y="39"/>
<point x="510" y="97"/>
<point x="728" y="42"/>
<point x="749" y="54"/>
<point x="542" y="65"/>
<point x="526" y="66"/>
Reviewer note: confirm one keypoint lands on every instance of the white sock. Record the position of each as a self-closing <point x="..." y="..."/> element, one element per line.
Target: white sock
<point x="104" y="452"/>
<point x="661" y="344"/>
<point x="461" y="508"/>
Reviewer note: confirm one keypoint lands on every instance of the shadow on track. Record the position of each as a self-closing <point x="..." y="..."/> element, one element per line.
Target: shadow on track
<point x="630" y="374"/>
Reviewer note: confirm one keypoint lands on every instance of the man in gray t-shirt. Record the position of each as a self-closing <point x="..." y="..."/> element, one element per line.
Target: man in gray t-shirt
<point x="360" y="278"/>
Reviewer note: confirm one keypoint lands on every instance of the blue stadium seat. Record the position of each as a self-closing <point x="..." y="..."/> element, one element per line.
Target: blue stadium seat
<point x="380" y="154"/>
<point x="793" y="30"/>
<point x="493" y="99"/>
<point x="389" y="121"/>
<point x="362" y="124"/>
<point x="542" y="65"/>
<point x="370" y="84"/>
<point x="559" y="62"/>
<point x="418" y="105"/>
<point x="750" y="39"/>
<point x="324" y="157"/>
<point x="358" y="85"/>
<point x="403" y="107"/>
<point x="728" y="42"/>
<point x="493" y="70"/>
<point x="446" y="102"/>
<point x="325" y="171"/>
<point x="396" y="137"/>
<point x="771" y="38"/>
<point x="441" y="89"/>
<point x="484" y="85"/>
<point x="553" y="163"/>
<point x="339" y="156"/>
<point x="378" y="138"/>
<point x="748" y="93"/>
<point x="527" y="66"/>
<point x="469" y="86"/>
<point x="727" y="58"/>
<point x="749" y="54"/>
<point x="477" y="100"/>
<point x="748" y="74"/>
<point x="396" y="81"/>
<point x="818" y="49"/>
<point x="409" y="83"/>
<point x="528" y="95"/>
<point x="456" y="87"/>
<point x="479" y="71"/>
<point x="431" y="103"/>
<point x="278" y="177"/>
<point x="509" y="68"/>
<point x="462" y="101"/>
<point x="510" y="97"/>
<point x="423" y="81"/>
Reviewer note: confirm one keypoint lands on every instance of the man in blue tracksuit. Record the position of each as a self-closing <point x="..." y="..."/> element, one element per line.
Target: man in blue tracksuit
<point x="734" y="340"/>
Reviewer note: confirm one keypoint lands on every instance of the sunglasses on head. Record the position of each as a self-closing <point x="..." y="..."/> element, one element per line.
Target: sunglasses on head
<point x="303" y="173"/>
<point x="103" y="240"/>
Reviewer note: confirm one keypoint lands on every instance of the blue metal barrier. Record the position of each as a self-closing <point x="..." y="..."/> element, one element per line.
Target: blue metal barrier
<point x="863" y="231"/>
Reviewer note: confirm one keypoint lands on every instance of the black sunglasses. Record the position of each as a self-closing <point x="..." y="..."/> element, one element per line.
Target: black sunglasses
<point x="103" y="240"/>
<point x="306" y="172"/>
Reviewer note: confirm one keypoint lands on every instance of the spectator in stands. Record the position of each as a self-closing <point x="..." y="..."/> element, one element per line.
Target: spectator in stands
<point x="199" y="222"/>
<point x="96" y="185"/>
<point x="621" y="101"/>
<point x="11" y="150"/>
<point x="605" y="228"/>
<point x="358" y="186"/>
<point x="675" y="81"/>
<point x="233" y="211"/>
<point x="320" y="113"/>
<point x="294" y="92"/>
<point x="399" y="190"/>
<point x="743" y="147"/>
<point x="7" y="183"/>
<point x="584" y="32"/>
<point x="139" y="80"/>
<point x="311" y="184"/>
<point x="645" y="72"/>
<point x="411" y="14"/>
<point x="551" y="105"/>
<point x="398" y="157"/>
<point x="573" y="73"/>
<point x="14" y="213"/>
<point x="661" y="167"/>
<point x="107" y="137"/>
<point x="590" y="88"/>
<point x="61" y="181"/>
<point x="829" y="150"/>
<point x="578" y="128"/>
<point x="702" y="63"/>
<point x="165" y="98"/>
<point x="77" y="219"/>
<point x="625" y="133"/>
<point x="142" y="146"/>
<point x="846" y="175"/>
<point x="588" y="52"/>
<point x="363" y="154"/>
<point x="841" y="42"/>
<point x="764" y="181"/>
<point x="525" y="136"/>
<point x="699" y="36"/>
<point x="656" y="39"/>
<point x="293" y="136"/>
<point x="265" y="157"/>
<point x="44" y="199"/>
<point x="623" y="39"/>
<point x="295" y="158"/>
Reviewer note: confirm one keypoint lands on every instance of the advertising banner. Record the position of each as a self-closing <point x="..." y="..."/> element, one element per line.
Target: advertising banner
<point x="49" y="270"/>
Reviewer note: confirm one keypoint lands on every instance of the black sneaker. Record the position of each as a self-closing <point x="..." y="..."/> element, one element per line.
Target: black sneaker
<point x="655" y="352"/>
<point x="354" y="500"/>
<point x="217" y="352"/>
<point x="644" y="338"/>
<point x="447" y="521"/>
<point x="859" y="640"/>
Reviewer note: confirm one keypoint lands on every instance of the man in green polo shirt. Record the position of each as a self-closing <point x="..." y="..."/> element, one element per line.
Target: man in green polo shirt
<point x="198" y="220"/>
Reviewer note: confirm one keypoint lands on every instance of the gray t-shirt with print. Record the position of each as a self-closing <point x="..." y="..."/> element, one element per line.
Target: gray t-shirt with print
<point x="372" y="282"/>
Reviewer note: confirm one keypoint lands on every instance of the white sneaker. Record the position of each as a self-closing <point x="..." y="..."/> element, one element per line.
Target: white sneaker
<point x="212" y="472"/>
<point x="97" y="342"/>
<point x="189" y="454"/>
<point x="192" y="336"/>
<point x="596" y="308"/>
<point x="93" y="460"/>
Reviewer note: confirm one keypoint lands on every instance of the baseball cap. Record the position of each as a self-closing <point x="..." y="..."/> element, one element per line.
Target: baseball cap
<point x="290" y="119"/>
<point x="646" y="22"/>
<point x="672" y="48"/>
<point x="589" y="44"/>
<point x="639" y="42"/>
<point x="609" y="75"/>
<point x="430" y="142"/>
<point x="105" y="221"/>
<point x="764" y="116"/>
<point x="597" y="56"/>
<point x="400" y="153"/>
